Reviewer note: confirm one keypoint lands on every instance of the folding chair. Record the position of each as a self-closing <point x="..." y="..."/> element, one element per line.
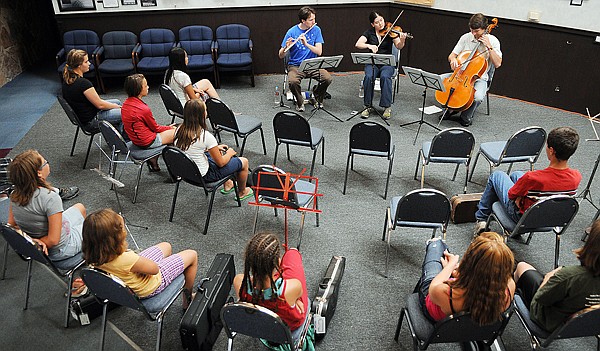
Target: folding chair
<point x="171" y="102"/>
<point x="91" y="131"/>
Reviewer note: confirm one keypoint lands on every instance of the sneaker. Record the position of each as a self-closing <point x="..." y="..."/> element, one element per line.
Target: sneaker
<point x="387" y="114"/>
<point x="68" y="193"/>
<point x="365" y="113"/>
<point x="479" y="228"/>
<point x="466" y="123"/>
<point x="300" y="108"/>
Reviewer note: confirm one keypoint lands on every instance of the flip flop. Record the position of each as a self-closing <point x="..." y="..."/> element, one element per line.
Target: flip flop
<point x="82" y="291"/>
<point x="225" y="192"/>
<point x="247" y="196"/>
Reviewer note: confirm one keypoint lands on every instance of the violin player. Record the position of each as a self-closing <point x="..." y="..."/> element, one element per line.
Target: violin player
<point x="489" y="47"/>
<point x="378" y="40"/>
<point x="304" y="41"/>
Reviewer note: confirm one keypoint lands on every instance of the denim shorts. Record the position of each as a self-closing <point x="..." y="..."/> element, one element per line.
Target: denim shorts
<point x="72" y="226"/>
<point x="215" y="173"/>
<point x="156" y="143"/>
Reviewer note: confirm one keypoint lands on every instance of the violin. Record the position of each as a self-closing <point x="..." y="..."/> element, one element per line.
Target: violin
<point x="393" y="31"/>
<point x="460" y="89"/>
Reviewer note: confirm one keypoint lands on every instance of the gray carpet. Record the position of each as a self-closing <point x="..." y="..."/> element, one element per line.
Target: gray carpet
<point x="351" y="225"/>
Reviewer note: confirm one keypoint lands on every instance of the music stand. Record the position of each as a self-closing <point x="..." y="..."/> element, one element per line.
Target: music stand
<point x="317" y="63"/>
<point x="586" y="193"/>
<point x="361" y="58"/>
<point x="426" y="80"/>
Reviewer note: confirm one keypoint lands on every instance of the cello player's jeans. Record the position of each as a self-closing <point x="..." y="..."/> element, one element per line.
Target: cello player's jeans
<point x="481" y="88"/>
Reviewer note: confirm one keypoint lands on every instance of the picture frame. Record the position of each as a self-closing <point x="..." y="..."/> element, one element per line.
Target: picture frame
<point x="110" y="3"/>
<point x="76" y="5"/>
<point x="148" y="3"/>
<point x="128" y="2"/>
<point x="576" y="2"/>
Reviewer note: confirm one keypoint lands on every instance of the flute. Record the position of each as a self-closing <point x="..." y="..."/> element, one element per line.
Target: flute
<point x="296" y="40"/>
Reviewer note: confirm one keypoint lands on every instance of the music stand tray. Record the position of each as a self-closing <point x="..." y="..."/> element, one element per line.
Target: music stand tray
<point x="361" y="58"/>
<point x="426" y="80"/>
<point x="317" y="63"/>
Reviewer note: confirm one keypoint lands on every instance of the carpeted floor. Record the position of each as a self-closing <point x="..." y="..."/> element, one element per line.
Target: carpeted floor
<point x="351" y="224"/>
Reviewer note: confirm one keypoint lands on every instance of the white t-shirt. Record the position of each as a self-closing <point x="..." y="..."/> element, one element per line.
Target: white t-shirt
<point x="468" y="42"/>
<point x="196" y="151"/>
<point x="178" y="82"/>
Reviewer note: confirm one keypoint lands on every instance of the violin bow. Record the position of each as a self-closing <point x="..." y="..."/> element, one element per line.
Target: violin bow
<point x="389" y="30"/>
<point x="296" y="40"/>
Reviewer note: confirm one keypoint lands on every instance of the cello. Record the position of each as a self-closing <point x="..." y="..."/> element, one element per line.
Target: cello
<point x="460" y="90"/>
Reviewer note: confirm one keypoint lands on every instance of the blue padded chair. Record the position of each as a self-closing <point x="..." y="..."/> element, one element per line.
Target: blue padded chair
<point x="452" y="145"/>
<point x="523" y="146"/>
<point x="197" y="41"/>
<point x="107" y="288"/>
<point x="456" y="328"/>
<point x="29" y="251"/>
<point x="421" y="208"/>
<point x="370" y="139"/>
<point x="581" y="324"/>
<point x="115" y="57"/>
<point x="152" y="53"/>
<point x="233" y="50"/>
<point x="82" y="39"/>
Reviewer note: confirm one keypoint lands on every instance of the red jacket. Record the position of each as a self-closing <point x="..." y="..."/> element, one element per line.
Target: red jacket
<point x="139" y="124"/>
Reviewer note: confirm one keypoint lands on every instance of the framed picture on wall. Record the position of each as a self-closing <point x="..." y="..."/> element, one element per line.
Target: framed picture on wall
<point x="110" y="3"/>
<point x="76" y="5"/>
<point x="146" y="3"/>
<point x="129" y="2"/>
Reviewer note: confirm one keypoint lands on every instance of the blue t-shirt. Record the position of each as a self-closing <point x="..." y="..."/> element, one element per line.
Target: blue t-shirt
<point x="298" y="52"/>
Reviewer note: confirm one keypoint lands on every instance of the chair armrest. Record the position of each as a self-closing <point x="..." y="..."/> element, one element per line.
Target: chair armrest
<point x="215" y="45"/>
<point x="60" y="57"/>
<point x="135" y="53"/>
<point x="250" y="44"/>
<point x="98" y="55"/>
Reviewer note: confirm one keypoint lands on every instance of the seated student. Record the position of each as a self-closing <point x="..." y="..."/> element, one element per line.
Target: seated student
<point x="512" y="190"/>
<point x="553" y="297"/>
<point x="177" y="78"/>
<point x="82" y="96"/>
<point x="147" y="274"/>
<point x="481" y="284"/>
<point x="138" y="121"/>
<point x="274" y="281"/>
<point x="214" y="161"/>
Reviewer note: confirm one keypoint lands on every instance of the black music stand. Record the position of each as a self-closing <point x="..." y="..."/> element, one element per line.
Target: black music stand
<point x="317" y="63"/>
<point x="361" y="58"/>
<point x="426" y="80"/>
<point x="586" y="193"/>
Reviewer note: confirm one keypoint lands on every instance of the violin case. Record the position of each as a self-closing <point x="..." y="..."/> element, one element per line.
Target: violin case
<point x="201" y="323"/>
<point x="324" y="305"/>
<point x="464" y="207"/>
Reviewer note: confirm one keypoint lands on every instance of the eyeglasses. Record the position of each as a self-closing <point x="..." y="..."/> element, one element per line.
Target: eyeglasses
<point x="43" y="165"/>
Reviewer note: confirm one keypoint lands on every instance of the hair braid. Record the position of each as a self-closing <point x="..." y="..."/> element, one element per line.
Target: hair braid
<point x="260" y="260"/>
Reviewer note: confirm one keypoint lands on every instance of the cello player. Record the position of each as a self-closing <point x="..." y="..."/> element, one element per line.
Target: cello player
<point x="489" y="46"/>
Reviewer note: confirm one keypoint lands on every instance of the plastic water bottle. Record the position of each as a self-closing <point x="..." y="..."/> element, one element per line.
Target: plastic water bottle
<point x="277" y="98"/>
<point x="361" y="90"/>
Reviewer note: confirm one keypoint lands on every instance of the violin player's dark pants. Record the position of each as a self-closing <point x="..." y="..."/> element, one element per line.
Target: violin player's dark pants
<point x="295" y="78"/>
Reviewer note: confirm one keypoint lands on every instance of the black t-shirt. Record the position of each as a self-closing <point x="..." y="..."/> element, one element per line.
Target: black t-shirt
<point x="73" y="93"/>
<point x="386" y="46"/>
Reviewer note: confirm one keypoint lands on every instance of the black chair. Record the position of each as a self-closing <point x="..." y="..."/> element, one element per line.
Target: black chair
<point x="581" y="324"/>
<point x="171" y="102"/>
<point x="271" y="187"/>
<point x="222" y="118"/>
<point x="197" y="41"/>
<point x="107" y="288"/>
<point x="182" y="167"/>
<point x="491" y="72"/>
<point x="133" y="154"/>
<point x="452" y="145"/>
<point x="115" y="57"/>
<point x="421" y="208"/>
<point x="291" y="128"/>
<point x="370" y="139"/>
<point x="456" y="328"/>
<point x="91" y="131"/>
<point x="233" y="50"/>
<point x="29" y="251"/>
<point x="550" y="214"/>
<point x="81" y="39"/>
<point x="523" y="146"/>
<point x="259" y="322"/>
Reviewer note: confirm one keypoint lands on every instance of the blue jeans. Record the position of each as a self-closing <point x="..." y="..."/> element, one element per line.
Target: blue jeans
<point x="385" y="74"/>
<point x="432" y="266"/>
<point x="481" y="88"/>
<point x="497" y="190"/>
<point x="112" y="116"/>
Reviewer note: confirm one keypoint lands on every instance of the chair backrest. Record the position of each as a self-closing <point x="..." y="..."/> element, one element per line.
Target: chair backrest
<point x="233" y="38"/>
<point x="196" y="40"/>
<point x="452" y="142"/>
<point x="553" y="211"/>
<point x="157" y="41"/>
<point x="255" y="321"/>
<point x="24" y="245"/>
<point x="69" y="111"/>
<point x="370" y="136"/>
<point x="82" y="39"/>
<point x="272" y="187"/>
<point x="423" y="206"/>
<point x="118" y="44"/>
<point x="220" y="114"/>
<point x="181" y="166"/>
<point x="113" y="138"/>
<point x="110" y="288"/>
<point x="583" y="323"/>
<point x="170" y="100"/>
<point x="290" y="125"/>
<point x="526" y="142"/>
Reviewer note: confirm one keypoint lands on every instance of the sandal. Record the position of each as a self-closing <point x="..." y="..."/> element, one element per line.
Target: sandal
<point x="81" y="291"/>
<point x="153" y="168"/>
<point x="247" y="196"/>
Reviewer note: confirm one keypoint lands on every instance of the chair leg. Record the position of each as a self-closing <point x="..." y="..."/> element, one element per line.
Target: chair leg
<point x="466" y="178"/>
<point x="487" y="97"/>
<point x="556" y="251"/>
<point x="87" y="154"/>
<point x="5" y="260"/>
<point x="237" y="143"/>
<point x="323" y="152"/>
<point x="387" y="253"/>
<point x="312" y="165"/>
<point x="385" y="225"/>
<point x="159" y="321"/>
<point x="137" y="183"/>
<point x="423" y="176"/>
<point x="255" y="221"/>
<point x="103" y="328"/>
<point x="509" y="168"/>
<point x="352" y="163"/>
<point x="235" y="188"/>
<point x="346" y="176"/>
<point x="301" y="229"/>
<point x="262" y="137"/>
<point x="455" y="172"/>
<point x="243" y="146"/>
<point x="417" y="167"/>
<point x="74" y="141"/>
<point x="317" y="207"/>
<point x="387" y="182"/>
<point x="210" y="205"/>
<point x="288" y="152"/>
<point x="174" y="200"/>
<point x="29" y="268"/>
<point x="275" y="157"/>
<point x="399" y="325"/>
<point x="68" y="307"/>
<point x="474" y="164"/>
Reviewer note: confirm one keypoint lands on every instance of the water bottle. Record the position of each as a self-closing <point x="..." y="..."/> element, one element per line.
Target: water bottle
<point x="277" y="98"/>
<point x="361" y="90"/>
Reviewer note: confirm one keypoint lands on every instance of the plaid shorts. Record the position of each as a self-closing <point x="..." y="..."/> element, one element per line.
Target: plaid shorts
<point x="170" y="267"/>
